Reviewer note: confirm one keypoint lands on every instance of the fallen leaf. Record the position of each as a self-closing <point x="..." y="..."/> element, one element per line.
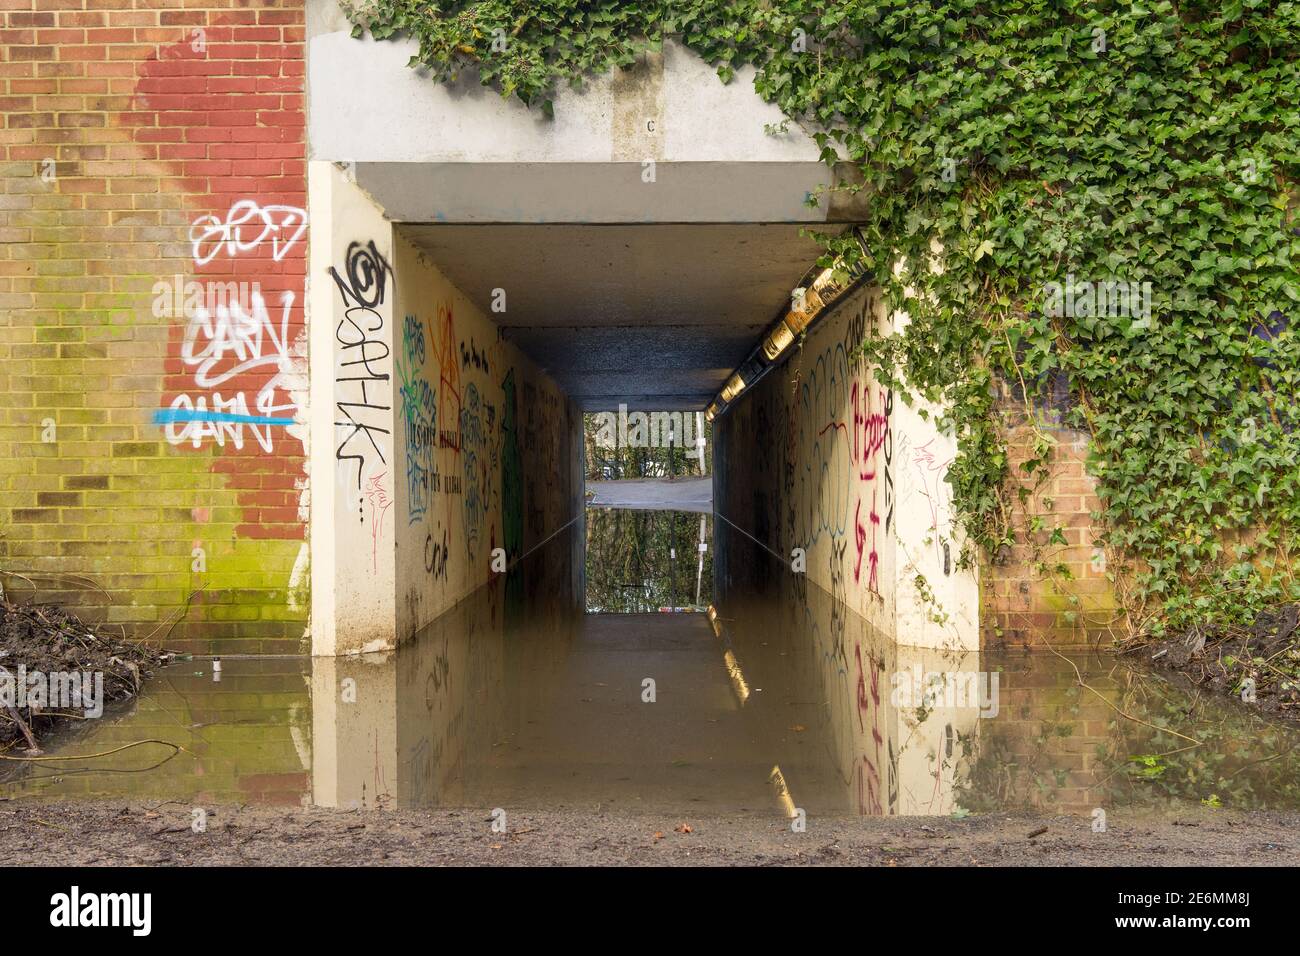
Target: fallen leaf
<point x="684" y="828"/>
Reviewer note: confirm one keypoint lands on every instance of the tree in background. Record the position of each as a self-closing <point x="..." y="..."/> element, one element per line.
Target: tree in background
<point x="617" y="449"/>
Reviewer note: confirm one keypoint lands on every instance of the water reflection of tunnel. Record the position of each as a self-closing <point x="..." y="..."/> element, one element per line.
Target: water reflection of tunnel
<point x="518" y="697"/>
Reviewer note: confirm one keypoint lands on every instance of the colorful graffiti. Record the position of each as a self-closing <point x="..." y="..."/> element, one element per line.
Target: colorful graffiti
<point x="233" y="343"/>
<point x="419" y="419"/>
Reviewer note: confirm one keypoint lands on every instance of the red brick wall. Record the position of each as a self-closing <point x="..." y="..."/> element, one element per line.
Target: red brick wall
<point x="128" y="134"/>
<point x="1026" y="597"/>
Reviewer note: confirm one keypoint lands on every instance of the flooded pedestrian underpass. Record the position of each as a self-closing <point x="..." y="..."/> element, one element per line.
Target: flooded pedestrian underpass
<point x="669" y="685"/>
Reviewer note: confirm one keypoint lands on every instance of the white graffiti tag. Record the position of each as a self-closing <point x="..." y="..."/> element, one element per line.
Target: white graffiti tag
<point x="232" y="342"/>
<point x="246" y="227"/>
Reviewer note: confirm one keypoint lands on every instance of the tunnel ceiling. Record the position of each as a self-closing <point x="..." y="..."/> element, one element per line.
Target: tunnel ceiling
<point x="657" y="316"/>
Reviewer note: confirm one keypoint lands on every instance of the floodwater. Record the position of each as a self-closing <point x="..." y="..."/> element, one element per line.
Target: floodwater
<point x="522" y="697"/>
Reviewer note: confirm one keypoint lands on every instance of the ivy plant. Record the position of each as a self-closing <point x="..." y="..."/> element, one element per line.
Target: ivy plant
<point x="1100" y="196"/>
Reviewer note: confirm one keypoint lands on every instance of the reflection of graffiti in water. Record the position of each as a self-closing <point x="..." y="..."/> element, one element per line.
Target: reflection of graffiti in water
<point x="868" y="770"/>
<point x="472" y="451"/>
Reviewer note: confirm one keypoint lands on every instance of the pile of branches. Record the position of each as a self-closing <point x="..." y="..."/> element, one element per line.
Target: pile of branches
<point x="1260" y="665"/>
<point x="44" y="639"/>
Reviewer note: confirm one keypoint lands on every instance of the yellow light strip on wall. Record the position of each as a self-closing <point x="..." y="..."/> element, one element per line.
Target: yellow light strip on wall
<point x="778" y="340"/>
<point x="734" y="387"/>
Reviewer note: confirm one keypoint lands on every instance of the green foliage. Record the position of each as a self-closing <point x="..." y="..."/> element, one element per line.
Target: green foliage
<point x="1007" y="146"/>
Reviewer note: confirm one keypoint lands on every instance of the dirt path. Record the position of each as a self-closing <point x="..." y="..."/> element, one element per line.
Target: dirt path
<point x="82" y="834"/>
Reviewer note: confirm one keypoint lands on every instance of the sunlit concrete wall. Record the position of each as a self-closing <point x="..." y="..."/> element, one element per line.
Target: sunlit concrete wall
<point x="818" y="457"/>
<point x="440" y="454"/>
<point x="435" y="152"/>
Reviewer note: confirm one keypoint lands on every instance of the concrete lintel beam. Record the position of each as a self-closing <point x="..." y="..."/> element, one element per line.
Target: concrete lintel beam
<point x="609" y="192"/>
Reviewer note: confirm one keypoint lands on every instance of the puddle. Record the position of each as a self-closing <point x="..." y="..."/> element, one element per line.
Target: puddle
<point x="516" y="699"/>
<point x="245" y="738"/>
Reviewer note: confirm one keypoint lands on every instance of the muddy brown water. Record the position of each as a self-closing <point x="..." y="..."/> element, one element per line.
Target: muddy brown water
<point x="518" y="699"/>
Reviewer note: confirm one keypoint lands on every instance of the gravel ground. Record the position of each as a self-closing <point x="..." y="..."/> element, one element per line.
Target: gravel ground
<point x="84" y="834"/>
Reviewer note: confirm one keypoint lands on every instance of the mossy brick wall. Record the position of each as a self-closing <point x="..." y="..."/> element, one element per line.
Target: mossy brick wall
<point x="1043" y="591"/>
<point x="149" y="146"/>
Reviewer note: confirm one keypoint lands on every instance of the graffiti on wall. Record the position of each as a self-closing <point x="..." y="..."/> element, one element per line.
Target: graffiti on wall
<point x="246" y="227"/>
<point x="472" y="450"/>
<point x="234" y="342"/>
<point x="932" y="469"/>
<point x="512" y="485"/>
<point x="824" y="473"/>
<point x="870" y="453"/>
<point x="362" y="369"/>
<point x="380" y="501"/>
<point x="419" y="420"/>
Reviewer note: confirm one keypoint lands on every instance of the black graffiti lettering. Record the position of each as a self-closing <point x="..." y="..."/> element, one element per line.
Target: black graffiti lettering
<point x="364" y="355"/>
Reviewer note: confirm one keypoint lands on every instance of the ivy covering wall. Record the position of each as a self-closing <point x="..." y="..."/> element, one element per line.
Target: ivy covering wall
<point x="1102" y="195"/>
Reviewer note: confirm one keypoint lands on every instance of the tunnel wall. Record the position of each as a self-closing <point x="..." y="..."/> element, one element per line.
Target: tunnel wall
<point x="817" y="455"/>
<point x="487" y="449"/>
<point x="434" y="441"/>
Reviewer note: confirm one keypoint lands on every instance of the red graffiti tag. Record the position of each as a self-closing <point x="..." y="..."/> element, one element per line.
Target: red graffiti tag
<point x="870" y="433"/>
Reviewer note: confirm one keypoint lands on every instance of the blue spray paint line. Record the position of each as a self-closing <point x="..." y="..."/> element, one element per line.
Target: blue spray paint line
<point x="164" y="416"/>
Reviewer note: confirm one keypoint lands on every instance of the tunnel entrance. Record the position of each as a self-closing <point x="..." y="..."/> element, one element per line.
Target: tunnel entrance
<point x="573" y="612"/>
<point x="649" y="496"/>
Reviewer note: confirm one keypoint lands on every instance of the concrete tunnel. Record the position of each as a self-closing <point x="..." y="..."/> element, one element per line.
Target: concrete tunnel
<point x="478" y="278"/>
